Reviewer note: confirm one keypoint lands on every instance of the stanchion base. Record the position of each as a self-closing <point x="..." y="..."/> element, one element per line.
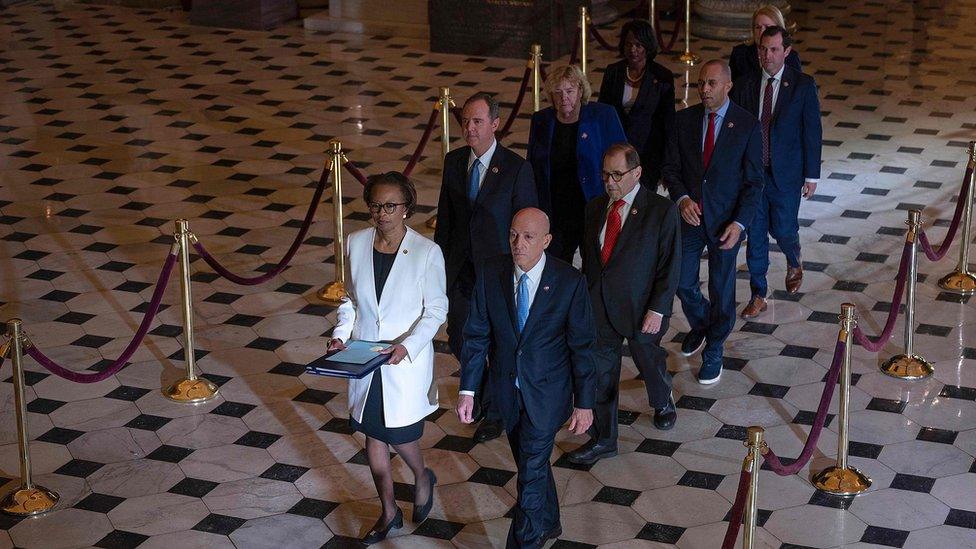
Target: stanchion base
<point x="907" y="367"/>
<point x="688" y="58"/>
<point x="432" y="222"/>
<point x="959" y="282"/>
<point x="191" y="391"/>
<point x="29" y="502"/>
<point x="841" y="482"/>
<point x="332" y="293"/>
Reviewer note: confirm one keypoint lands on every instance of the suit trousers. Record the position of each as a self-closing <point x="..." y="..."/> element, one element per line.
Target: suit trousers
<point x="537" y="509"/>
<point x="459" y="305"/>
<point x="650" y="359"/>
<point x="776" y="215"/>
<point x="715" y="315"/>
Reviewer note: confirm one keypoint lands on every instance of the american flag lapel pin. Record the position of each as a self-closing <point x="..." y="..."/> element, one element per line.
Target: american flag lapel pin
<point x="494" y="169"/>
<point x="545" y="288"/>
<point x="583" y="135"/>
<point x="786" y="84"/>
<point x="633" y="211"/>
<point x="731" y="125"/>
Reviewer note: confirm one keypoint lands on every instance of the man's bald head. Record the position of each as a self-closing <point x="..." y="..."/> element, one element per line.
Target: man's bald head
<point x="529" y="237"/>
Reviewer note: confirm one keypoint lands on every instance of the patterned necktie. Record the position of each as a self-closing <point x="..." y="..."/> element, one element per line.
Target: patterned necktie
<point x="474" y="181"/>
<point x="766" y="118"/>
<point x="612" y="232"/>
<point x="709" y="140"/>
<point x="522" y="301"/>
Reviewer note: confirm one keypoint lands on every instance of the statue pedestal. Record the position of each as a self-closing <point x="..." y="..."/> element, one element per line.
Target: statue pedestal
<point x="406" y="18"/>
<point x="243" y="14"/>
<point x="728" y="19"/>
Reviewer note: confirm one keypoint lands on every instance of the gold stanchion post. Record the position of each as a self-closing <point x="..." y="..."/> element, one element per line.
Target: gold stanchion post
<point x="756" y="444"/>
<point x="29" y="499"/>
<point x="584" y="22"/>
<point x="962" y="280"/>
<point x="444" y="103"/>
<point x="651" y="15"/>
<point x="535" y="61"/>
<point x="842" y="479"/>
<point x="333" y="292"/>
<point x="687" y="57"/>
<point x="908" y="365"/>
<point x="190" y="389"/>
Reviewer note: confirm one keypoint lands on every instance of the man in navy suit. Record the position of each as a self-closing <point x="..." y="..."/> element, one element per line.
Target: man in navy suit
<point x="786" y="103"/>
<point x="531" y="318"/>
<point x="713" y="171"/>
<point x="483" y="185"/>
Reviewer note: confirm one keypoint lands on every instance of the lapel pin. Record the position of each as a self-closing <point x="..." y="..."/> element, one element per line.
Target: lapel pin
<point x="583" y="135"/>
<point x="731" y="125"/>
<point x="494" y="169"/>
<point x="404" y="252"/>
<point x="545" y="288"/>
<point x="786" y="84"/>
<point x="633" y="211"/>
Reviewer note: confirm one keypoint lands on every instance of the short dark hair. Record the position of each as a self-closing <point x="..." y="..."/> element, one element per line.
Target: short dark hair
<point x="631" y="156"/>
<point x="777" y="30"/>
<point x="393" y="179"/>
<point x="644" y="34"/>
<point x="489" y="100"/>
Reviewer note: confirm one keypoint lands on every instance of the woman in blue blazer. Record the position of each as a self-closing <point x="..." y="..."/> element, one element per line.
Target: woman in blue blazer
<point x="566" y="146"/>
<point x="744" y="59"/>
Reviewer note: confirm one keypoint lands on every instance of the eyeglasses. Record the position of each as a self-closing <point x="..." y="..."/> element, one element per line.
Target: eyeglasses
<point x="389" y="207"/>
<point x="617" y="176"/>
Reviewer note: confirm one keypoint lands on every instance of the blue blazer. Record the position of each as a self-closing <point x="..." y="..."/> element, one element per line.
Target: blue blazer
<point x="795" y="133"/>
<point x="553" y="356"/>
<point x="744" y="61"/>
<point x="599" y="127"/>
<point x="729" y="190"/>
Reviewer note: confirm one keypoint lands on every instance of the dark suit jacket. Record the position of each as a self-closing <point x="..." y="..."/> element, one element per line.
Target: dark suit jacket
<point x="599" y="128"/>
<point x="730" y="188"/>
<point x="795" y="132"/>
<point x="642" y="272"/>
<point x="553" y="355"/>
<point x="744" y="61"/>
<point x="649" y="120"/>
<point x="477" y="232"/>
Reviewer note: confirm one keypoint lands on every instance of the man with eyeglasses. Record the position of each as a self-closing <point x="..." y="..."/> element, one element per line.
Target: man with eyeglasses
<point x="631" y="258"/>
<point x="483" y="185"/>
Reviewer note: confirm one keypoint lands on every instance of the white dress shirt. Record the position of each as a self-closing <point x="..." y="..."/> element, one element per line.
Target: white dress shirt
<point x="535" y="275"/>
<point x="483" y="160"/>
<point x="716" y="129"/>
<point x="777" y="80"/>
<point x="624" y="214"/>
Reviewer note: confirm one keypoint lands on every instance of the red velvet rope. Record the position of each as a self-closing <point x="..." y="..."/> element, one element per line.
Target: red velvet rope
<point x="283" y="264"/>
<point x="599" y="38"/>
<point x="130" y="349"/>
<point x="518" y="103"/>
<point x="356" y="172"/>
<point x="874" y="344"/>
<point x="923" y="239"/>
<point x="660" y="38"/>
<point x="420" y="146"/>
<point x="738" y="508"/>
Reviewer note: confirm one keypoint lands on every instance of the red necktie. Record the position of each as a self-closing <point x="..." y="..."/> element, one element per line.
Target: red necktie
<point x="766" y="118"/>
<point x="612" y="232"/>
<point x="709" y="140"/>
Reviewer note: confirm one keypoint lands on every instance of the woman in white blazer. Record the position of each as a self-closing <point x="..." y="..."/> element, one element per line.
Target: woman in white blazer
<point x="396" y="293"/>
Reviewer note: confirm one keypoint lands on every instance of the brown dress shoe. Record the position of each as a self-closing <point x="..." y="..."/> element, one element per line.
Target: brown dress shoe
<point x="755" y="307"/>
<point x="794" y="278"/>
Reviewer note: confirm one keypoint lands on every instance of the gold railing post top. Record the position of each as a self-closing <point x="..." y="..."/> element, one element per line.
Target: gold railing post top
<point x="754" y="435"/>
<point x="13" y="321"/>
<point x="335" y="146"/>
<point x="182" y="225"/>
<point x="536" y="49"/>
<point x="583" y="11"/>
<point x="914" y="217"/>
<point x="847" y="311"/>
<point x="445" y="91"/>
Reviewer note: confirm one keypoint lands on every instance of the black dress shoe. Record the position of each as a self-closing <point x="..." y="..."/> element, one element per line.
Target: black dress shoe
<point x="693" y="342"/>
<point x="420" y="512"/>
<point x="487" y="430"/>
<point x="664" y="418"/>
<point x="592" y="452"/>
<point x="378" y="534"/>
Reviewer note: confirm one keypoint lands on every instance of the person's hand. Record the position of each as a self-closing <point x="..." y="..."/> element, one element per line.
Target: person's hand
<point x="730" y="236"/>
<point x="580" y="421"/>
<point x="652" y="323"/>
<point x="690" y="211"/>
<point x="397" y="353"/>
<point x="336" y="344"/>
<point x="465" y="408"/>
<point x="809" y="188"/>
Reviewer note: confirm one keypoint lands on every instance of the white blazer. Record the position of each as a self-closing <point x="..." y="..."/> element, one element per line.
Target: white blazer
<point x="411" y="310"/>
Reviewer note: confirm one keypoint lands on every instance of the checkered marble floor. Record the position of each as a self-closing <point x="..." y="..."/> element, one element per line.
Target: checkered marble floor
<point x="115" y="122"/>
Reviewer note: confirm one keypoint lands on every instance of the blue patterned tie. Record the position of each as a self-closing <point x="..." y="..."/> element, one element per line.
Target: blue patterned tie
<point x="522" y="302"/>
<point x="474" y="181"/>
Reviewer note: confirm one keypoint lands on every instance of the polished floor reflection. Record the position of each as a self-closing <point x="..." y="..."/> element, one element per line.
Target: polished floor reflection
<point x="115" y="122"/>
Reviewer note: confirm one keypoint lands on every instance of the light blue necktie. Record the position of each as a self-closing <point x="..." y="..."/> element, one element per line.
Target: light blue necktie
<point x="474" y="181"/>
<point x="522" y="302"/>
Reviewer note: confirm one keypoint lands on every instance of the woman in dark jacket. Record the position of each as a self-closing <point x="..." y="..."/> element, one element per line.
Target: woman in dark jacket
<point x="642" y="92"/>
<point x="744" y="59"/>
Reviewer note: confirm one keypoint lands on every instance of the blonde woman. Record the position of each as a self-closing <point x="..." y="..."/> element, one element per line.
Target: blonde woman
<point x="744" y="59"/>
<point x="566" y="145"/>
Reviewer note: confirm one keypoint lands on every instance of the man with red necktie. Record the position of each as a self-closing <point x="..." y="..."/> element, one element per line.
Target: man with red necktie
<point x="713" y="171"/>
<point x="631" y="258"/>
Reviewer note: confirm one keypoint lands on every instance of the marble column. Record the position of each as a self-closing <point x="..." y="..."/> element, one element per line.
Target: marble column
<point x="728" y="19"/>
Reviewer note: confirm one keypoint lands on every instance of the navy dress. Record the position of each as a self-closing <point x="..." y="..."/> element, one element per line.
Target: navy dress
<point x="373" y="424"/>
